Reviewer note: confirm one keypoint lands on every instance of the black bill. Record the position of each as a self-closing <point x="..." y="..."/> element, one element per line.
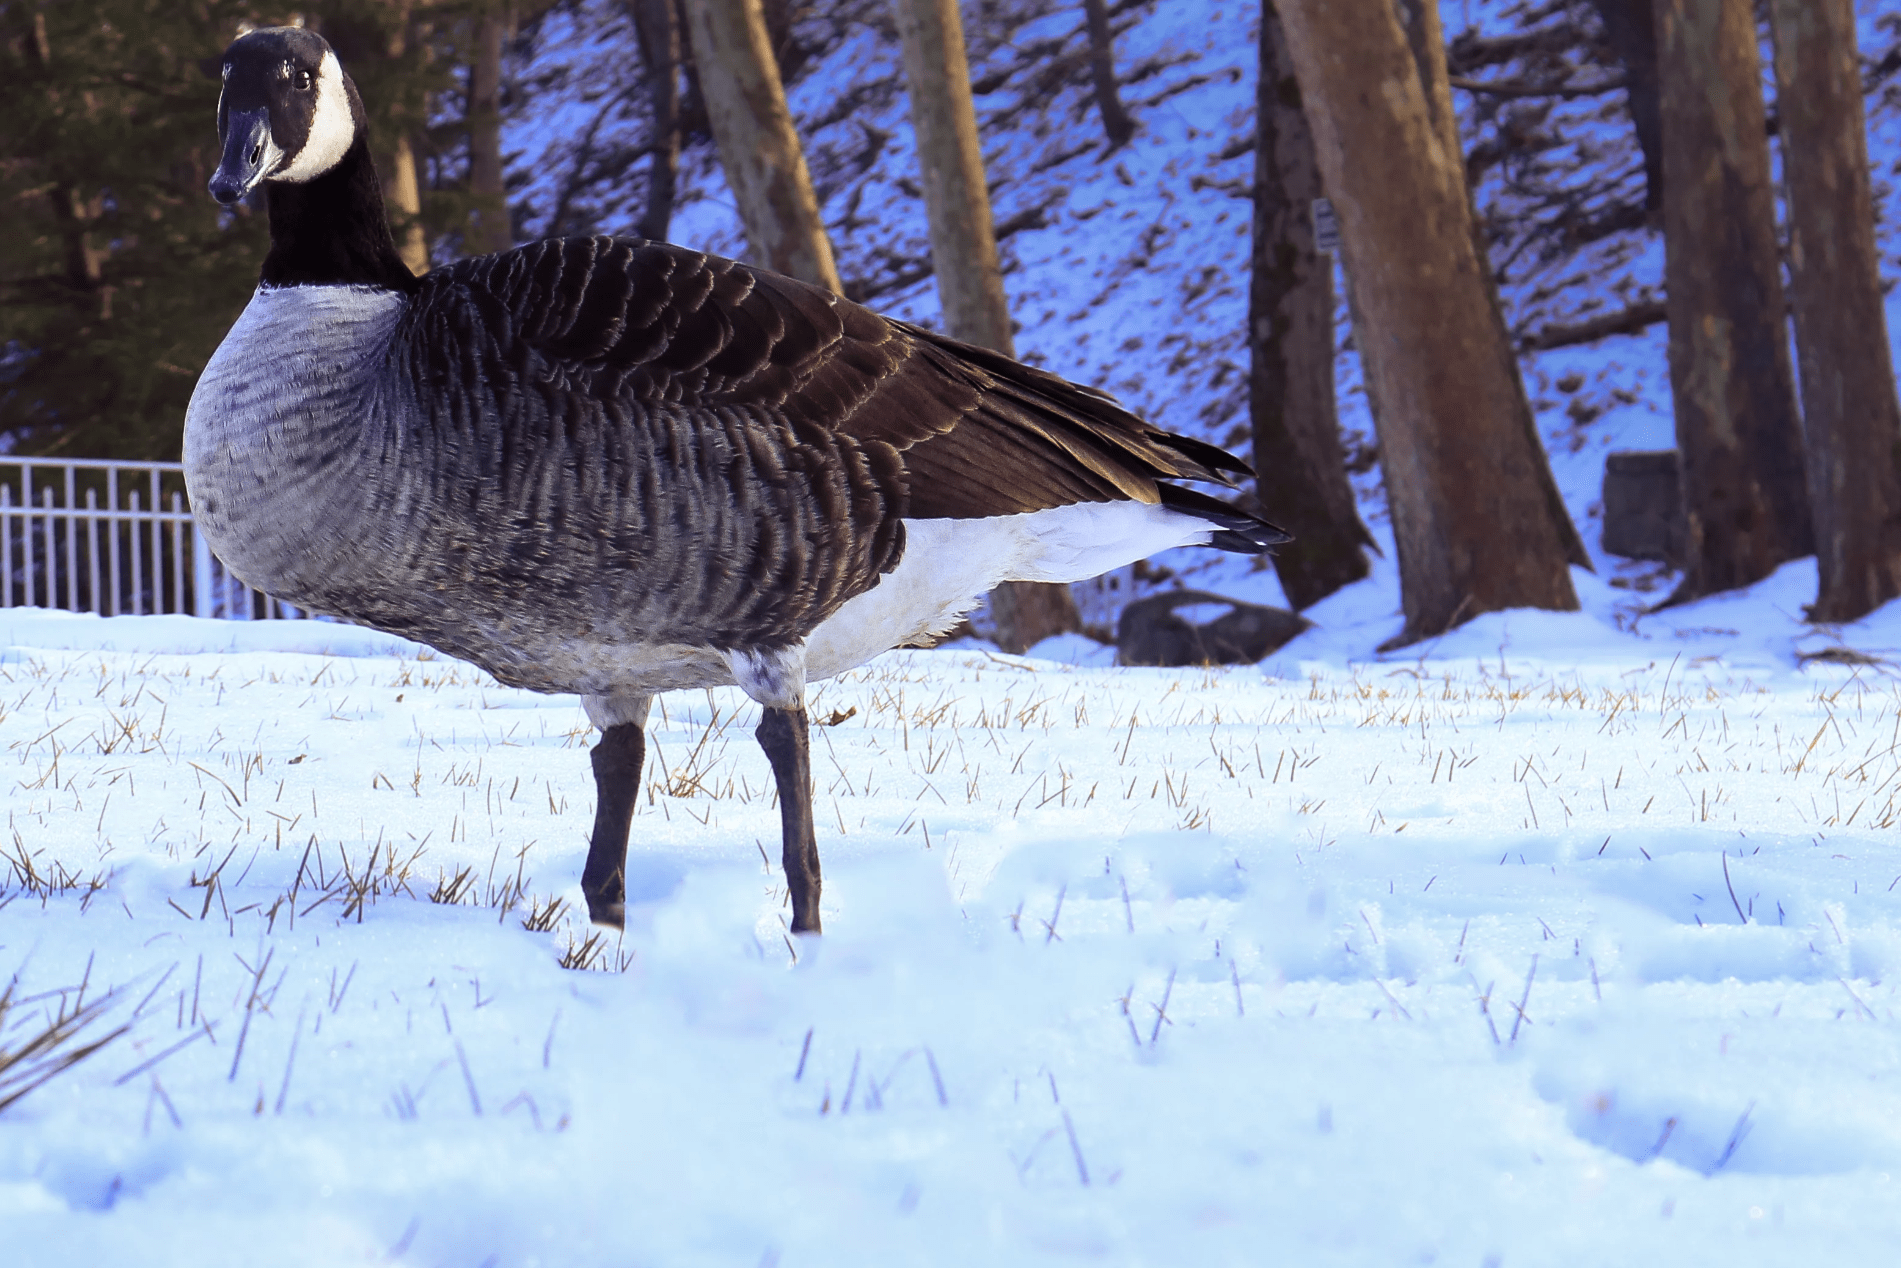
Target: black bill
<point x="247" y="141"/>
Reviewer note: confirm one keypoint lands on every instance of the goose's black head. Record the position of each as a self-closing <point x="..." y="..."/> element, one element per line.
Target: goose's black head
<point x="290" y="120"/>
<point x="288" y="113"/>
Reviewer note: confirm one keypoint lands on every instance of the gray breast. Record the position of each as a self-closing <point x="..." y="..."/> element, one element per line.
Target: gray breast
<point x="272" y="432"/>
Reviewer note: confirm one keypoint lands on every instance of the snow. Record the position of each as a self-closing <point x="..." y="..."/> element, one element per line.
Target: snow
<point x="1299" y="1036"/>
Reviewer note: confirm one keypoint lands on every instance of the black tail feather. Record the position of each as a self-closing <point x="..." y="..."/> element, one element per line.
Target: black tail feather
<point x="1236" y="529"/>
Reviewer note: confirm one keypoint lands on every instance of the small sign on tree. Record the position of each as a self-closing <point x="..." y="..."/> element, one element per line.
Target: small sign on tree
<point x="1326" y="228"/>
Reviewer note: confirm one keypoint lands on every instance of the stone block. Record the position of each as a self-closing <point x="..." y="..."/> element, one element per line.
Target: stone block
<point x="1643" y="505"/>
<point x="1152" y="631"/>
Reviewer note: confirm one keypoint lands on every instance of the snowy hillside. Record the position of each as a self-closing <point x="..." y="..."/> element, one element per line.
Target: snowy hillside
<point x="1129" y="271"/>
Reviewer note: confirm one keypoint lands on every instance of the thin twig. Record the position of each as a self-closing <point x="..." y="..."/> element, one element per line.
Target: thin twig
<point x="1485" y="1005"/>
<point x="148" y="995"/>
<point x="1525" y="999"/>
<point x="1082" y="1170"/>
<point x="283" y="1091"/>
<point x="1735" y="1139"/>
<point x="1161" y="1012"/>
<point x="844" y="1105"/>
<point x="475" y="1101"/>
<point x="1393" y="999"/>
<point x="250" y="1009"/>
<point x="1663" y="1138"/>
<point x="1050" y="924"/>
<point x="936" y="1078"/>
<point x="1732" y="889"/>
<point x="203" y="1029"/>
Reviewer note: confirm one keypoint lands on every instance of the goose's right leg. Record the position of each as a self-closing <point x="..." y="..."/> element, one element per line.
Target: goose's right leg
<point x="617" y="761"/>
<point x="775" y="677"/>
<point x="784" y="735"/>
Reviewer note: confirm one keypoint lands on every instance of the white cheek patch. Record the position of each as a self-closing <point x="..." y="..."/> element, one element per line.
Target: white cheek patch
<point x="331" y="129"/>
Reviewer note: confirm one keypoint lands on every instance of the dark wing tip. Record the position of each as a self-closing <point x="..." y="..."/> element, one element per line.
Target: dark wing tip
<point x="1220" y="464"/>
<point x="1254" y="542"/>
<point x="1235" y="529"/>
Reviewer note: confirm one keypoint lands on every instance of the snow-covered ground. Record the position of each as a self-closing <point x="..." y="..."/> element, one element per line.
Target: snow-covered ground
<point x="1333" y="960"/>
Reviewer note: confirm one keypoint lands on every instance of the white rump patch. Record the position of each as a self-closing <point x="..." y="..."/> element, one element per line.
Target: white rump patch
<point x="1087" y="539"/>
<point x="949" y="565"/>
<point x="775" y="678"/>
<point x="331" y="128"/>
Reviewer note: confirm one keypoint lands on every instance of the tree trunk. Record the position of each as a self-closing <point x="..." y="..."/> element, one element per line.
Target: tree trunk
<point x="1474" y="529"/>
<point x="85" y="259"/>
<point x="1426" y="37"/>
<point x="1631" y="28"/>
<point x="488" y="223"/>
<point x="1027" y="612"/>
<point x="1730" y="374"/>
<point x="1102" y="68"/>
<point x="778" y="18"/>
<point x="658" y="24"/>
<point x="402" y="191"/>
<point x="964" y="251"/>
<point x="1300" y="471"/>
<point x="944" y="119"/>
<point x="758" y="148"/>
<point x="1851" y="420"/>
<point x="75" y="213"/>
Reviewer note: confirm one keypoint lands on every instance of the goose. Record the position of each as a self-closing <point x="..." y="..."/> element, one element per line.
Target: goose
<point x="614" y="467"/>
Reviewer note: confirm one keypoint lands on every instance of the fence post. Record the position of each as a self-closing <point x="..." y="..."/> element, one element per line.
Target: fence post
<point x="6" y="544"/>
<point x="72" y="544"/>
<point x="200" y="574"/>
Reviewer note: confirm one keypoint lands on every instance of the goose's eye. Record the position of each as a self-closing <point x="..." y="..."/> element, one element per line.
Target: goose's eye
<point x="304" y="81"/>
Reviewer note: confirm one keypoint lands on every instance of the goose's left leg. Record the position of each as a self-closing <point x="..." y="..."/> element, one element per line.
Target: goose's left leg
<point x="776" y="679"/>
<point x="617" y="761"/>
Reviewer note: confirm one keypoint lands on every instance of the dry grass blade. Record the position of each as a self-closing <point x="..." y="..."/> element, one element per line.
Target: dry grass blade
<point x="593" y="955"/>
<point x="54" y="1048"/>
<point x="581" y="956"/>
<point x="689" y="779"/>
<point x="453" y="889"/>
<point x="544" y="914"/>
<point x="24" y="874"/>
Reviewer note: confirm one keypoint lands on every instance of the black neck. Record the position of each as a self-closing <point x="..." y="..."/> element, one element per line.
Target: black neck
<point x="332" y="230"/>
